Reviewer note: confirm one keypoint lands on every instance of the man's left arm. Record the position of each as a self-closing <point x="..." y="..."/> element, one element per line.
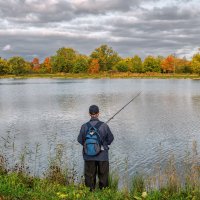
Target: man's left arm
<point x="110" y="136"/>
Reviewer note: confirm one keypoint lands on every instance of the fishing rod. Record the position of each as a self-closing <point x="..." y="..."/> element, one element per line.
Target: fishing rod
<point x="138" y="94"/>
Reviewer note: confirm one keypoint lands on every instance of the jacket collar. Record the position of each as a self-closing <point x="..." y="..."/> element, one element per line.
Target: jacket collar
<point x="94" y="119"/>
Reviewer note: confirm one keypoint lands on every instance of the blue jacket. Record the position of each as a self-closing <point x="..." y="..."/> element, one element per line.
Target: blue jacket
<point x="106" y="136"/>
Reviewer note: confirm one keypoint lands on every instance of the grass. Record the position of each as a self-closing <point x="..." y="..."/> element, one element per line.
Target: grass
<point x="17" y="186"/>
<point x="59" y="182"/>
<point x="150" y="75"/>
<point x="17" y="183"/>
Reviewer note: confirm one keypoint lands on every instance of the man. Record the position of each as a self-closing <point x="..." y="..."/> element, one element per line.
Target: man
<point x="96" y="164"/>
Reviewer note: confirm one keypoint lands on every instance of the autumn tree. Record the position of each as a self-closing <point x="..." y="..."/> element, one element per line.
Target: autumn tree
<point x="151" y="64"/>
<point x="106" y="56"/>
<point x="47" y="64"/>
<point x="36" y="64"/>
<point x="183" y="65"/>
<point x="94" y="66"/>
<point x="18" y="65"/>
<point x="195" y="63"/>
<point x="64" y="60"/>
<point x="168" y="64"/>
<point x="136" y="64"/>
<point x="81" y="64"/>
<point x="4" y="69"/>
<point x="122" y="66"/>
<point x="45" y="67"/>
<point x="159" y="60"/>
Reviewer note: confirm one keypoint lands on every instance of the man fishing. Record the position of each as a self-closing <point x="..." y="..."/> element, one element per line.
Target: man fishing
<point x="95" y="136"/>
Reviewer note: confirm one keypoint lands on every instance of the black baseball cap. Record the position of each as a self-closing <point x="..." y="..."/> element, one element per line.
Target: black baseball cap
<point x="93" y="109"/>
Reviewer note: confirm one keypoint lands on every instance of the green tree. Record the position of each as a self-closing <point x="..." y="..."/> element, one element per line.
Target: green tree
<point x="4" y="69"/>
<point x="81" y="64"/>
<point x="18" y="65"/>
<point x="122" y="66"/>
<point x="136" y="64"/>
<point x="196" y="63"/>
<point x="151" y="64"/>
<point x="64" y="60"/>
<point x="159" y="60"/>
<point x="106" y="56"/>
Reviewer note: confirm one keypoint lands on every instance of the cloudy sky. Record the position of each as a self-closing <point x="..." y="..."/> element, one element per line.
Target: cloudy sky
<point x="35" y="28"/>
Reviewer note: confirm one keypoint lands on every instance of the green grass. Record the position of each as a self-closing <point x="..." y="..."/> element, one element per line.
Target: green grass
<point x="17" y="186"/>
<point x="14" y="186"/>
<point x="59" y="182"/>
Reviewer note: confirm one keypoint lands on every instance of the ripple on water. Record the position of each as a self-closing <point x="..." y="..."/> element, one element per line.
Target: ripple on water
<point x="162" y="121"/>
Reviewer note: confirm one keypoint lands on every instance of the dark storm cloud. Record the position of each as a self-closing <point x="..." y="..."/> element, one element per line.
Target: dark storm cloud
<point x="38" y="28"/>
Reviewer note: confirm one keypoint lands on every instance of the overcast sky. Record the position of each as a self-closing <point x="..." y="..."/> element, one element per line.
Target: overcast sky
<point x="35" y="28"/>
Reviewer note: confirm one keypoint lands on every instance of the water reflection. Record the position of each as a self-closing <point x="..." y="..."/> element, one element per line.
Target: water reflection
<point x="37" y="82"/>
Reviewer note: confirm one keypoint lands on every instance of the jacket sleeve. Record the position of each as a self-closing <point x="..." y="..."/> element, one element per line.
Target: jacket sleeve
<point x="80" y="138"/>
<point x="110" y="136"/>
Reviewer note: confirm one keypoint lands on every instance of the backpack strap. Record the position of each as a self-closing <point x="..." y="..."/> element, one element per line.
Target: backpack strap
<point x="88" y="125"/>
<point x="98" y="124"/>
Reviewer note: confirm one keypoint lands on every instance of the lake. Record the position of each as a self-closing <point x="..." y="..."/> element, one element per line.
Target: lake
<point x="38" y="115"/>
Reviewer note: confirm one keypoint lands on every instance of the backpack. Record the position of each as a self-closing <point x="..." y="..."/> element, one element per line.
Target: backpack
<point x="92" y="143"/>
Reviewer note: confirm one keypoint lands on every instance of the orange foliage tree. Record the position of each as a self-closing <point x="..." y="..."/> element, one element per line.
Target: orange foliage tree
<point x="94" y="66"/>
<point x="47" y="64"/>
<point x="36" y="64"/>
<point x="168" y="64"/>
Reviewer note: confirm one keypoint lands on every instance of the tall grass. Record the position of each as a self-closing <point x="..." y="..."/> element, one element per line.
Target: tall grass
<point x="113" y="181"/>
<point x="60" y="182"/>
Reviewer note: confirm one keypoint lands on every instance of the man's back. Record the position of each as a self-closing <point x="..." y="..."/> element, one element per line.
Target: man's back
<point x="106" y="138"/>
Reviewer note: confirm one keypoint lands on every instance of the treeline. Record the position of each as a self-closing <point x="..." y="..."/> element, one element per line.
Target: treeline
<point x="103" y="58"/>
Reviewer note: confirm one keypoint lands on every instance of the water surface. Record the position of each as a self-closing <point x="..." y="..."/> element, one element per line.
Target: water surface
<point x="163" y="120"/>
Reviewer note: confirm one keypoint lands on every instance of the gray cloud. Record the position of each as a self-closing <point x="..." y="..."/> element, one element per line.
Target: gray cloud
<point x="34" y="28"/>
<point x="23" y="11"/>
<point x="94" y="6"/>
<point x="172" y="13"/>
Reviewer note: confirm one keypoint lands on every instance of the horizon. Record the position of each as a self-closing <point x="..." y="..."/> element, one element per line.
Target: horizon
<point x="155" y="56"/>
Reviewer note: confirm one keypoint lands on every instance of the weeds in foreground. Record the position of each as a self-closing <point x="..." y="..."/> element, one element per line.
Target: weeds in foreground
<point x="59" y="182"/>
<point x="137" y="185"/>
<point x="113" y="180"/>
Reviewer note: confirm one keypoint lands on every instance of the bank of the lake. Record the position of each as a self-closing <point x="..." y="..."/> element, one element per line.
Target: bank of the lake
<point x="106" y="75"/>
<point x="15" y="186"/>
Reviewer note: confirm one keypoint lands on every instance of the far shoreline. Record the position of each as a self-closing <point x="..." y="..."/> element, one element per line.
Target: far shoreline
<point x="105" y="75"/>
